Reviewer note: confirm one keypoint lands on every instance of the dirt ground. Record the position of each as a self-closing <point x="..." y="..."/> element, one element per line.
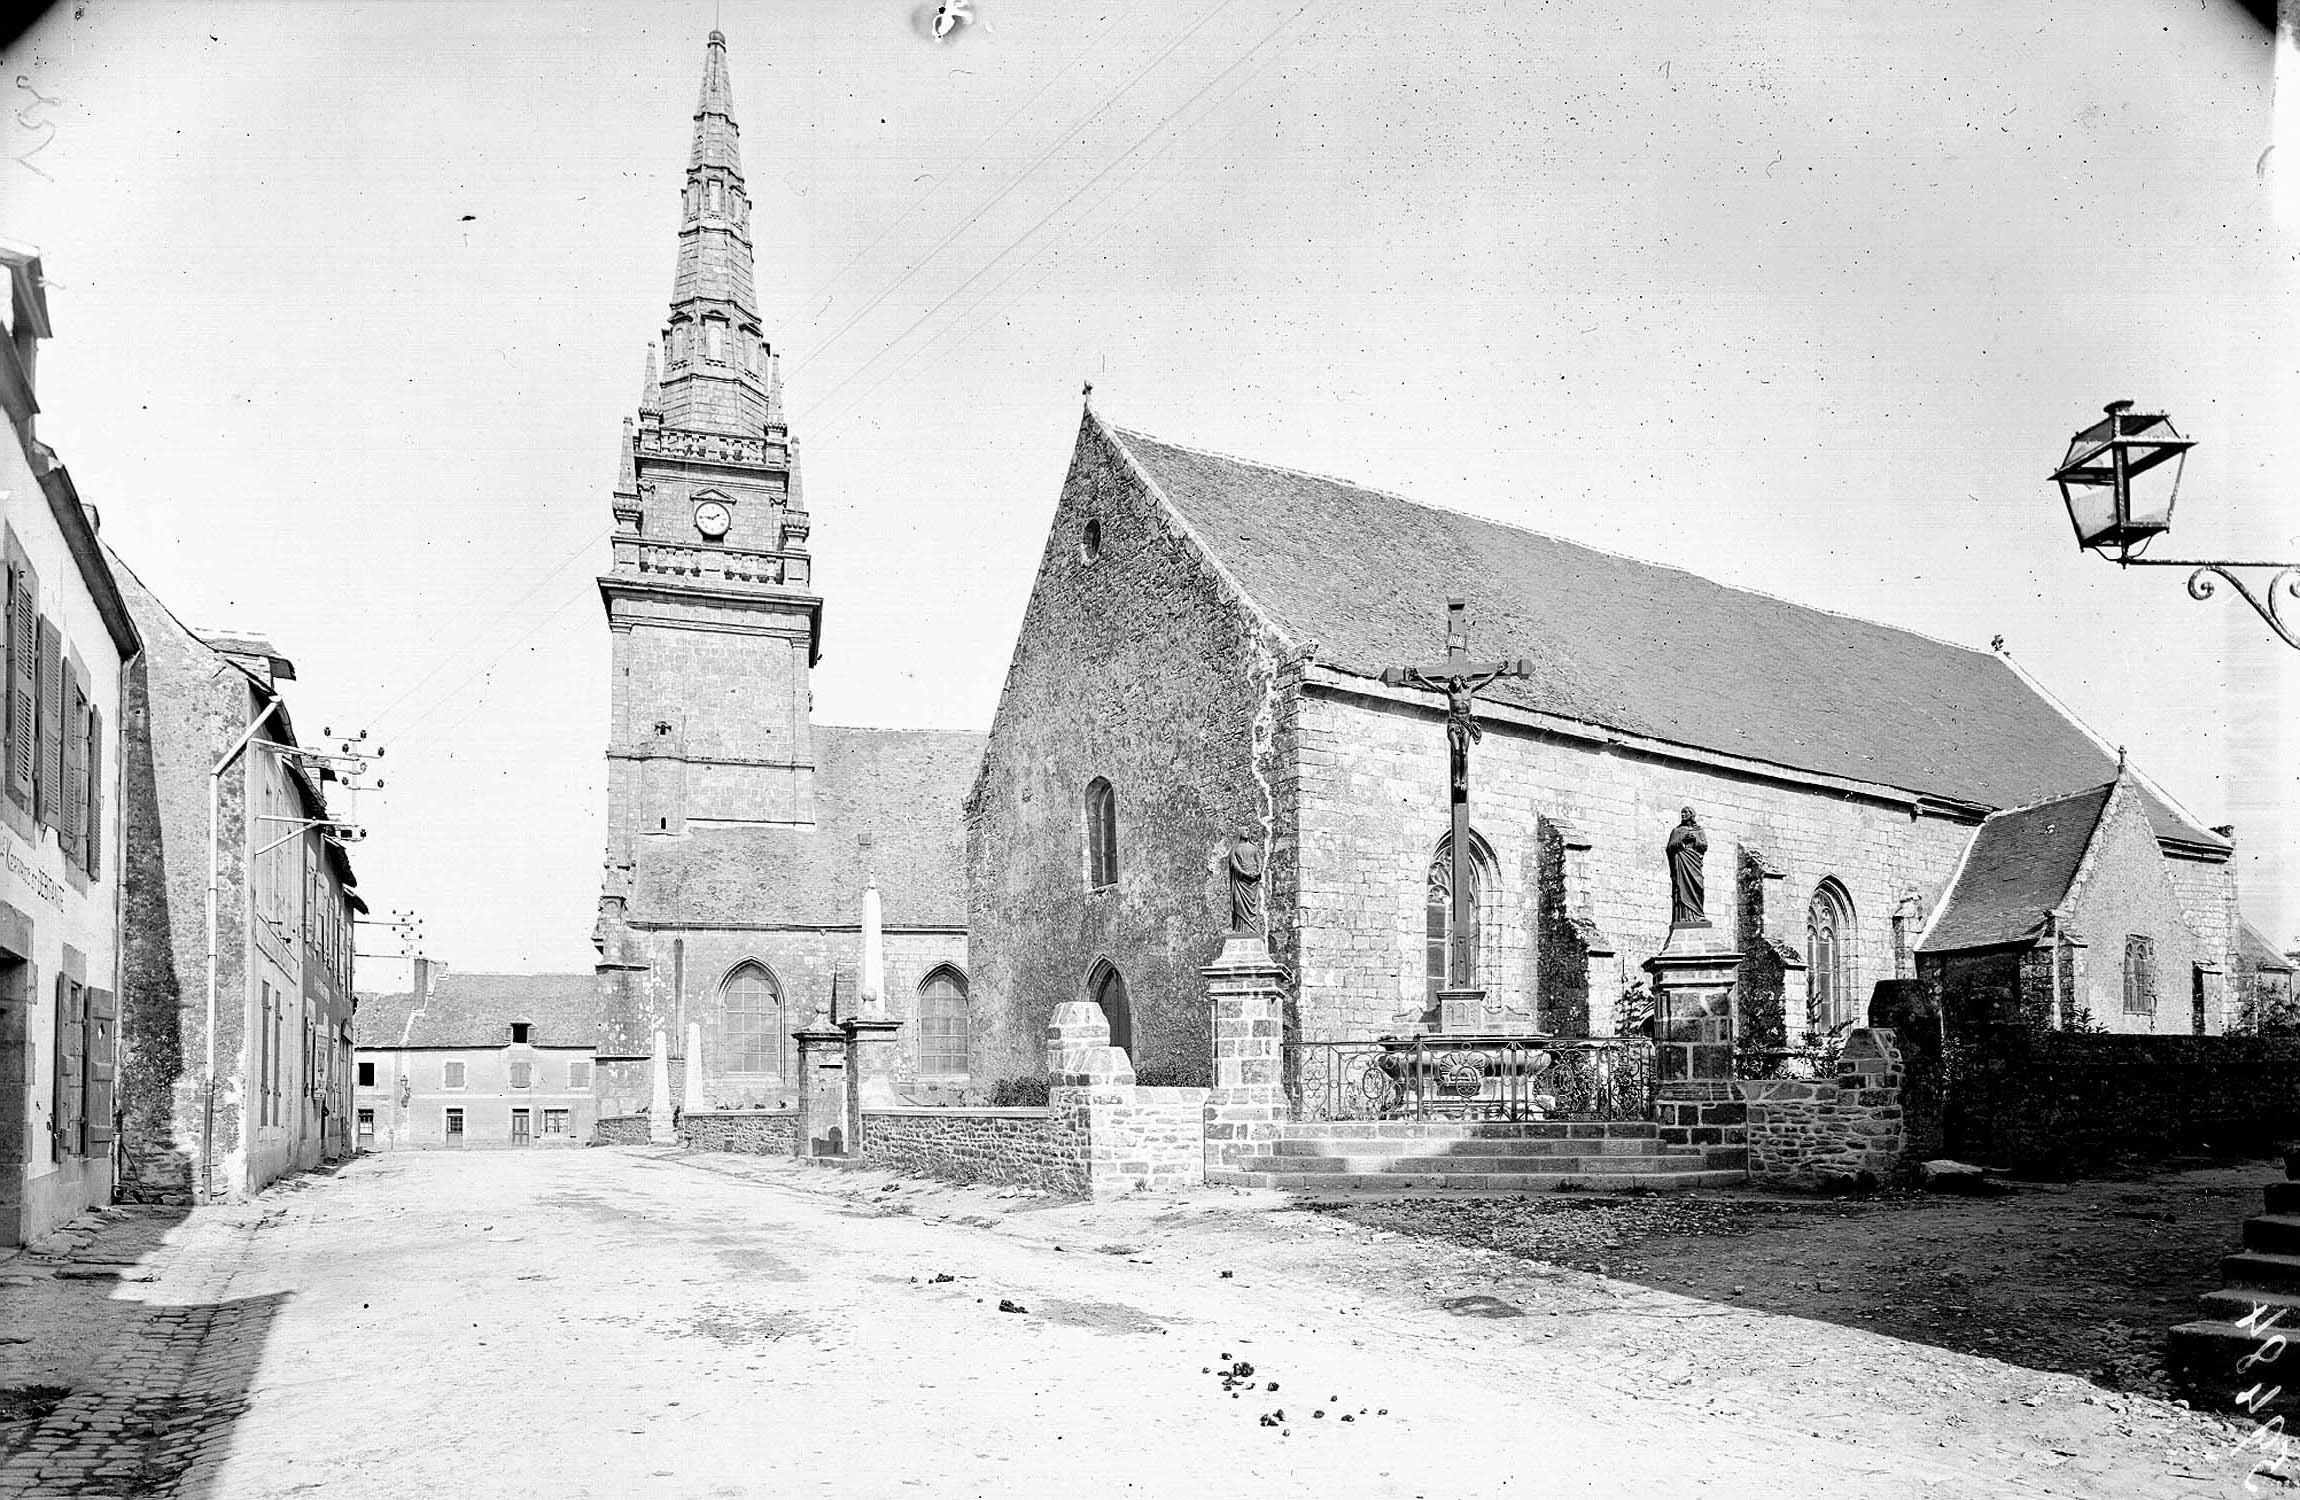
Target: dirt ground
<point x="727" y="1325"/>
<point x="2077" y="1278"/>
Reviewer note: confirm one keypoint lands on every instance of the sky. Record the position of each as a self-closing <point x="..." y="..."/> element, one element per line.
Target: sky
<point x="350" y="300"/>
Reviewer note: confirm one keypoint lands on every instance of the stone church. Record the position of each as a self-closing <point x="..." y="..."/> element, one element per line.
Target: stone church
<point x="1201" y="661"/>
<point x="741" y="834"/>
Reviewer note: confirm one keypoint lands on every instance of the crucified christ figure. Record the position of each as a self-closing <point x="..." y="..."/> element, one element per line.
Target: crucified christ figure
<point x="1461" y="726"/>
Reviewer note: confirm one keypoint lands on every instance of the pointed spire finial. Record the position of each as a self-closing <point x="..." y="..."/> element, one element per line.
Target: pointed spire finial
<point x="626" y="475"/>
<point x="651" y="392"/>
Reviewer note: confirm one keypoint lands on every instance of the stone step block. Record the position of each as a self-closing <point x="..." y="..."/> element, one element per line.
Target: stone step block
<point x="2278" y="1234"/>
<point x="2261" y="1270"/>
<point x="1363" y="1146"/>
<point x="2283" y="1197"/>
<point x="2232" y="1304"/>
<point x="2204" y="1357"/>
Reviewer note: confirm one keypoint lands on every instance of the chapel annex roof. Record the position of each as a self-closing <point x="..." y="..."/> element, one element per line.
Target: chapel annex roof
<point x="2258" y="952"/>
<point x="1631" y="646"/>
<point x="2019" y="866"/>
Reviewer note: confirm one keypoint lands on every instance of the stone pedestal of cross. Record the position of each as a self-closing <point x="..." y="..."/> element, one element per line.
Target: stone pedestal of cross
<point x="1461" y="1003"/>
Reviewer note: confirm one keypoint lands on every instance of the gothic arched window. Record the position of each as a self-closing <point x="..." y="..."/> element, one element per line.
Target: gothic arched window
<point x="942" y="1024"/>
<point x="753" y="1030"/>
<point x="1484" y="916"/>
<point x="1101" y="835"/>
<point x="1106" y="987"/>
<point x="1829" y="1001"/>
<point x="678" y="343"/>
<point x="715" y="341"/>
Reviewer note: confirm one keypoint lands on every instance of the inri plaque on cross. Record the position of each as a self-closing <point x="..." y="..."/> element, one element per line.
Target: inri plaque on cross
<point x="1458" y="678"/>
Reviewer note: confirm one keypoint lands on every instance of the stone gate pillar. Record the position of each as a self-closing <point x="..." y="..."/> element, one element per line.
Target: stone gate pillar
<point x="873" y="1058"/>
<point x="1696" y="1102"/>
<point x="824" y="1125"/>
<point x="1246" y="998"/>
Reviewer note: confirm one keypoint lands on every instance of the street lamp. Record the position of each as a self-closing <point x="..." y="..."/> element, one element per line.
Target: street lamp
<point x="2119" y="481"/>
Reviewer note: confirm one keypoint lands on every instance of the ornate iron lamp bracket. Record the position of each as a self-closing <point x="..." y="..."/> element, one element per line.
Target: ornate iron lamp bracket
<point x="2267" y="602"/>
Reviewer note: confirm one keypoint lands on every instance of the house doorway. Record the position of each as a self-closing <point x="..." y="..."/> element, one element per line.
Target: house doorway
<point x="2196" y="1001"/>
<point x="455" y="1127"/>
<point x="520" y="1136"/>
<point x="15" y="1095"/>
<point x="367" y="1130"/>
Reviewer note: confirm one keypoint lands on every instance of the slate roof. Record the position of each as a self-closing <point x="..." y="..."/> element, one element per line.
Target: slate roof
<point x="902" y="787"/>
<point x="476" y="1010"/>
<point x="1631" y="646"/>
<point x="2019" y="866"/>
<point x="2257" y="951"/>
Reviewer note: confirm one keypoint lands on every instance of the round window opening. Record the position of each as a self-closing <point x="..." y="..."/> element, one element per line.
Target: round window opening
<point x="1090" y="541"/>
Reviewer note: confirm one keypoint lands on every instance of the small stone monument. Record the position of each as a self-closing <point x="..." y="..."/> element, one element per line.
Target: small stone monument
<point x="1247" y="913"/>
<point x="871" y="1050"/>
<point x="660" y="1130"/>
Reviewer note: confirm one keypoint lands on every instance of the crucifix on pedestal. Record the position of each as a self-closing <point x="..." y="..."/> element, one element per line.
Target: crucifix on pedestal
<point x="1459" y="678"/>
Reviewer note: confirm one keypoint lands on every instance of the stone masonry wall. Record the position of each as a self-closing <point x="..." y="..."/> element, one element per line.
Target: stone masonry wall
<point x="620" y="1130"/>
<point x="1807" y="1132"/>
<point x="1140" y="665"/>
<point x="2057" y="1103"/>
<point x="756" y="1132"/>
<point x="1013" y="1147"/>
<point x="1373" y="808"/>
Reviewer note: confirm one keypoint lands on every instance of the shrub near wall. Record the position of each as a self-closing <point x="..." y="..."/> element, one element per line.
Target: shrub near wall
<point x="2059" y="1103"/>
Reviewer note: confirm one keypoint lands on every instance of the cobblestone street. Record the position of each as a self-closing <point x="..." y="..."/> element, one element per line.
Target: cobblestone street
<point x="641" y="1322"/>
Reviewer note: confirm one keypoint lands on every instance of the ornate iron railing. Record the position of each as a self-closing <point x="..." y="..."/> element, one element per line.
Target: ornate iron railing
<point x="1471" y="1078"/>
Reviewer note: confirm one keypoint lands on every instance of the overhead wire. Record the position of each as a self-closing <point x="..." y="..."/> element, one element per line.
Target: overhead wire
<point x="1267" y="37"/>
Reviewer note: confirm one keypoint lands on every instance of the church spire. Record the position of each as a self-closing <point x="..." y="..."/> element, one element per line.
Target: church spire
<point x="716" y="376"/>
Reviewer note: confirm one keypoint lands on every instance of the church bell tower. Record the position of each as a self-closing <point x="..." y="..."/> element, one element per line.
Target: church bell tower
<point x="709" y="598"/>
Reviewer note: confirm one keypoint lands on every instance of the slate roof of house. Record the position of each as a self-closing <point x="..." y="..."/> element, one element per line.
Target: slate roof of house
<point x="902" y="787"/>
<point x="2019" y="866"/>
<point x="2257" y="951"/>
<point x="1631" y="646"/>
<point x="476" y="1010"/>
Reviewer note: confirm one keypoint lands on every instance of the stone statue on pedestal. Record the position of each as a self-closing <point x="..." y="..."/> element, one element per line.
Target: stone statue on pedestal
<point x="1246" y="883"/>
<point x="1686" y="848"/>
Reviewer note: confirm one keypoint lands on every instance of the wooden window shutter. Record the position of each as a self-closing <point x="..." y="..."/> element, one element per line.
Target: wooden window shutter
<point x="48" y="774"/>
<point x="93" y="841"/>
<point x="71" y="730"/>
<point x="65" y="1122"/>
<point x="23" y="685"/>
<point x="103" y="1034"/>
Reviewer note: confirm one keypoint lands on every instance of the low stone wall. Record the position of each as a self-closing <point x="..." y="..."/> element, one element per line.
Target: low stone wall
<point x="1012" y="1147"/>
<point x="757" y="1132"/>
<point x="2059" y="1103"/>
<point x="1806" y="1132"/>
<point x="1134" y="1139"/>
<point x="620" y="1130"/>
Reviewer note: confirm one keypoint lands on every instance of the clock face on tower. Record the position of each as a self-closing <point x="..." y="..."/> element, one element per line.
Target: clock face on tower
<point x="712" y="519"/>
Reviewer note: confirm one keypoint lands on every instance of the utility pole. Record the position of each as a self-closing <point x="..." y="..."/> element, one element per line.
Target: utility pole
<point x="344" y="765"/>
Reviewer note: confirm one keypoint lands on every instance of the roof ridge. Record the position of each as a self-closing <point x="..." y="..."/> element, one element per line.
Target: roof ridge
<point x="897" y="729"/>
<point x="1549" y="536"/>
<point x="2083" y="791"/>
<point x="2179" y="808"/>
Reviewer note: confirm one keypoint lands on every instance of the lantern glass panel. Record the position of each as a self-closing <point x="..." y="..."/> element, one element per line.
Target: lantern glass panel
<point x="2093" y="508"/>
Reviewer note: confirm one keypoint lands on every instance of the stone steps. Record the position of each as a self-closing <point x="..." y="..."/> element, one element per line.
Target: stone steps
<point x="1456" y="1130"/>
<point x="1433" y="1148"/>
<point x="2207" y="1356"/>
<point x="1395" y="1183"/>
<point x="1455" y="1166"/>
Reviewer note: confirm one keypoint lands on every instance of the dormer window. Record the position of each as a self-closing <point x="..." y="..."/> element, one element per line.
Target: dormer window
<point x="519" y="1030"/>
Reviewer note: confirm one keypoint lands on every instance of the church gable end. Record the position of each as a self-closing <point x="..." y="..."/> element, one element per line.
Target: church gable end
<point x="1139" y="665"/>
